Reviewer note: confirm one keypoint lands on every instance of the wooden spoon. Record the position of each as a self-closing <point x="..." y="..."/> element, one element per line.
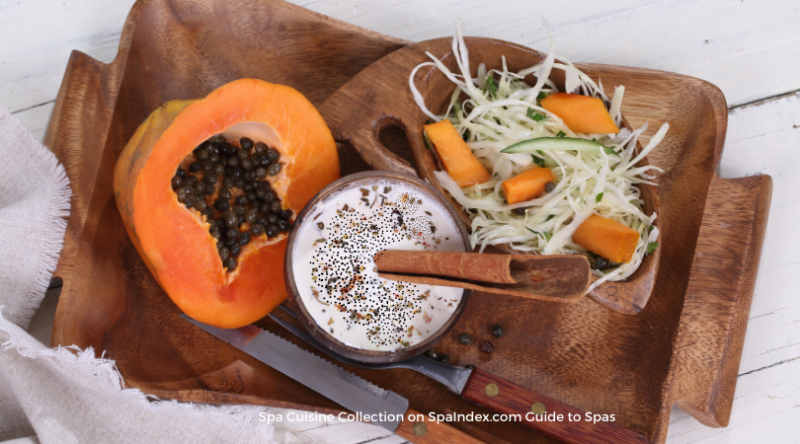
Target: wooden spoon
<point x="560" y="278"/>
<point x="380" y="97"/>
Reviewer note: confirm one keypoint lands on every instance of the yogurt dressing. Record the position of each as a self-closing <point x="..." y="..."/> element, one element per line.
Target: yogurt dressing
<point x="336" y="277"/>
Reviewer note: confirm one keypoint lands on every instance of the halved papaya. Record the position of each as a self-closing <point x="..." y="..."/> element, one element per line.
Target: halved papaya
<point x="188" y="245"/>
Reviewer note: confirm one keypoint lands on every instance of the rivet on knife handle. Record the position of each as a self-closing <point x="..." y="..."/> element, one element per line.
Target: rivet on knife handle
<point x="510" y="398"/>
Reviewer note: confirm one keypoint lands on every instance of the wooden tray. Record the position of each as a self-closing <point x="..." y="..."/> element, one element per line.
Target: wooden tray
<point x="683" y="348"/>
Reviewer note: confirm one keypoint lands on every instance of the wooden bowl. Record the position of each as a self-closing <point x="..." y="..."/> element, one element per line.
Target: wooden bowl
<point x="359" y="111"/>
<point x="365" y="179"/>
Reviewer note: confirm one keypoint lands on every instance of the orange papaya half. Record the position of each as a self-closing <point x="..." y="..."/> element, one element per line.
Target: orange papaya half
<point x="175" y="239"/>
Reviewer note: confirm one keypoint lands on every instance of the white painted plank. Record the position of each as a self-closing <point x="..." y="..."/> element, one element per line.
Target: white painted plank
<point x="751" y="51"/>
<point x="37" y="37"/>
<point x="766" y="139"/>
<point x="729" y="43"/>
<point x="766" y="409"/>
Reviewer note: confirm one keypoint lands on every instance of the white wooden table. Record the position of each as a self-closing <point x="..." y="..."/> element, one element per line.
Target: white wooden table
<point x="749" y="48"/>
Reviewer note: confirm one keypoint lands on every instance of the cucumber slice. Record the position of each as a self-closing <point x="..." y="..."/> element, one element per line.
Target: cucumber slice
<point x="557" y="144"/>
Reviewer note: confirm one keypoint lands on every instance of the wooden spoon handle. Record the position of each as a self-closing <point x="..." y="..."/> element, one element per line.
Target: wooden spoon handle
<point x="424" y="431"/>
<point x="499" y="395"/>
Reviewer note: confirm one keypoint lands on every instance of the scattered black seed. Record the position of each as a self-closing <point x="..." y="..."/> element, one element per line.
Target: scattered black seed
<point x="272" y="219"/>
<point x="239" y="210"/>
<point x="286" y="214"/>
<point x="246" y="143"/>
<point x="233" y="232"/>
<point x="214" y="157"/>
<point x="200" y="205"/>
<point x="251" y="195"/>
<point x="208" y="213"/>
<point x="497" y="330"/>
<point x="244" y="238"/>
<point x="244" y="153"/>
<point x="486" y="347"/>
<point x="549" y="186"/>
<point x="230" y="219"/>
<point x="239" y="183"/>
<point x="284" y="225"/>
<point x="241" y="200"/>
<point x="182" y="194"/>
<point x="257" y="229"/>
<point x="261" y="148"/>
<point x="176" y="182"/>
<point x="247" y="164"/>
<point x="215" y="233"/>
<point x="273" y="155"/>
<point x="233" y="161"/>
<point x="227" y="182"/>
<point x="275" y="206"/>
<point x="269" y="196"/>
<point x="464" y="339"/>
<point x="601" y="263"/>
<point x="189" y="202"/>
<point x="230" y="241"/>
<point x="235" y="250"/>
<point x="272" y="230"/>
<point x="251" y="216"/>
<point x="519" y="211"/>
<point x="224" y="253"/>
<point x="219" y="169"/>
<point x="261" y="173"/>
<point x="274" y="169"/>
<point x="230" y="264"/>
<point x="190" y="181"/>
<point x="201" y="154"/>
<point x="180" y="173"/>
<point x="194" y="167"/>
<point x="222" y="205"/>
<point x="207" y="166"/>
<point x="210" y="179"/>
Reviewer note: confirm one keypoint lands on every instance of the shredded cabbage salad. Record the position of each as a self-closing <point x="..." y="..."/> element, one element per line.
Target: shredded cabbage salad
<point x="502" y="110"/>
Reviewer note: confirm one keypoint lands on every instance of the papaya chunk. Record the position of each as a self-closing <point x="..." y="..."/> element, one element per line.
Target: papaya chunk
<point x="527" y="185"/>
<point x="458" y="160"/>
<point x="582" y="114"/>
<point x="177" y="241"/>
<point x="608" y="238"/>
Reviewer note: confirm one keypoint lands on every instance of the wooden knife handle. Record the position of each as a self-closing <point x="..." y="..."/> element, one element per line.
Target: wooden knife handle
<point x="425" y="431"/>
<point x="499" y="395"/>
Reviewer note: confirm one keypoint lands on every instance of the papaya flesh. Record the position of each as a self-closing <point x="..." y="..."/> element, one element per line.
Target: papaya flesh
<point x="176" y="242"/>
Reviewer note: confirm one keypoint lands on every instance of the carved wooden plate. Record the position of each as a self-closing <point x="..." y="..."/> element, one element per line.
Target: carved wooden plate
<point x="683" y="348"/>
<point x="379" y="96"/>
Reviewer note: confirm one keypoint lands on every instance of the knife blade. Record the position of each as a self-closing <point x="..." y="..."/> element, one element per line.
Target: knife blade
<point x="496" y="394"/>
<point x="382" y="407"/>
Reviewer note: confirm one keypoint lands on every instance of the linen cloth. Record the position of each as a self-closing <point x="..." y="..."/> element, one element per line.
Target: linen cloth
<point x="66" y="395"/>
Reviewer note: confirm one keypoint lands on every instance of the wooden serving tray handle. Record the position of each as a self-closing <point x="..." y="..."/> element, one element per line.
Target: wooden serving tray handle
<point x="502" y="396"/>
<point x="721" y="284"/>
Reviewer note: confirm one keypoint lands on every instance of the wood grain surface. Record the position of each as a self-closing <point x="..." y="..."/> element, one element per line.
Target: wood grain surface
<point x="761" y="137"/>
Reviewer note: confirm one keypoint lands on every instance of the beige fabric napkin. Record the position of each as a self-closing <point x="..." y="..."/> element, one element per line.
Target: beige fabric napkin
<point x="66" y="395"/>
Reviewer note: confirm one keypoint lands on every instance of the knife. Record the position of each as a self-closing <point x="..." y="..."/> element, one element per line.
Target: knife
<point x="383" y="407"/>
<point x="498" y="395"/>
